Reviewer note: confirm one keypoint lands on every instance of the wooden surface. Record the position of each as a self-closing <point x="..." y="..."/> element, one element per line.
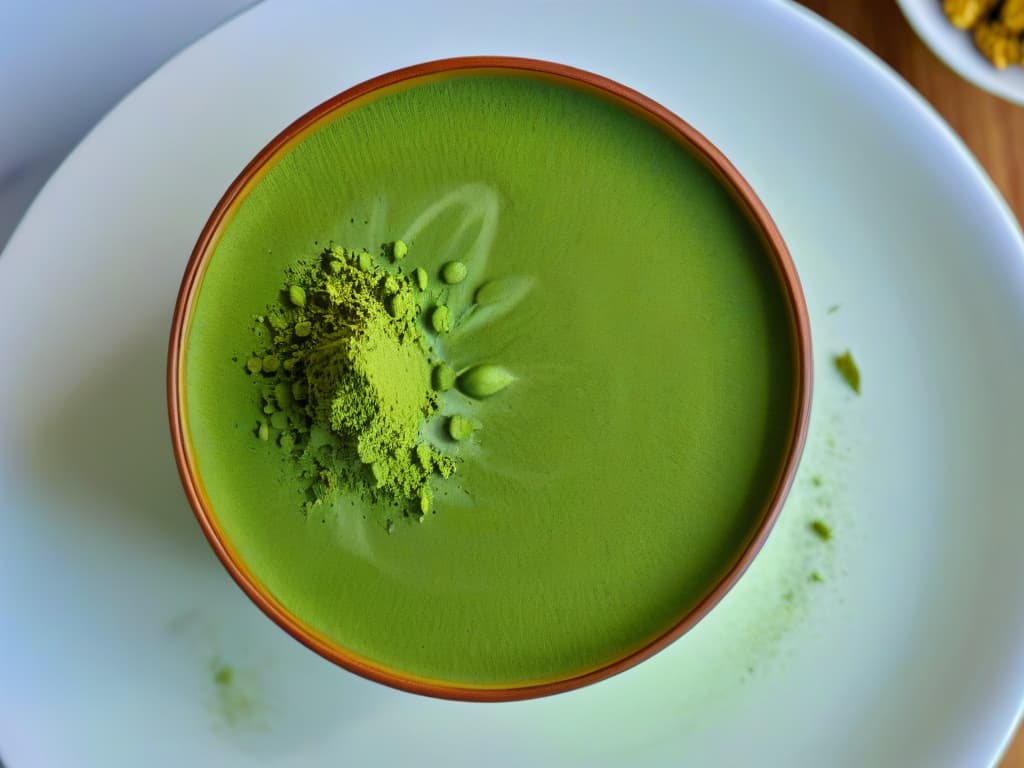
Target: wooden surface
<point x="992" y="129"/>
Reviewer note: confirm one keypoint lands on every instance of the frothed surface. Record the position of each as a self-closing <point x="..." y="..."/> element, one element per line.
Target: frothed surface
<point x="619" y="476"/>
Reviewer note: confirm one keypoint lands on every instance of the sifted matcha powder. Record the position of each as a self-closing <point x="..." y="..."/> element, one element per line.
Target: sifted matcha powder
<point x="348" y="386"/>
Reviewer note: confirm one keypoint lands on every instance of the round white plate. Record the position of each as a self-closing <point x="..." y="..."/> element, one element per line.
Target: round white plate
<point x="116" y="615"/>
<point x="956" y="48"/>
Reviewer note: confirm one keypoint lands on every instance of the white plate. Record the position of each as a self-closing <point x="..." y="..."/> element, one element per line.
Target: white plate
<point x="956" y="48"/>
<point x="115" y="611"/>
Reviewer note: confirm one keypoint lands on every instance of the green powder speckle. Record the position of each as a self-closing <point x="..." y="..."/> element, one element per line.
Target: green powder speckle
<point x="821" y="529"/>
<point x="223" y="675"/>
<point x="442" y="377"/>
<point x="848" y="370"/>
<point x="237" y="696"/>
<point x="453" y="272"/>
<point x="422" y="279"/>
<point x="440" y="319"/>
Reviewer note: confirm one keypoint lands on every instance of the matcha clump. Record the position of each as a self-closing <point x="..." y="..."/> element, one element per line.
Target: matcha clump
<point x="350" y="388"/>
<point x="482" y="381"/>
<point x="821" y="529"/>
<point x="848" y="370"/>
<point x="459" y="427"/>
<point x="453" y="272"/>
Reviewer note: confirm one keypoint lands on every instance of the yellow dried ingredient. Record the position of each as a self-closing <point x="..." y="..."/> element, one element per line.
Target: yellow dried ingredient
<point x="966" y="13"/>
<point x="997" y="27"/>
<point x="1012" y="15"/>
<point x="998" y="44"/>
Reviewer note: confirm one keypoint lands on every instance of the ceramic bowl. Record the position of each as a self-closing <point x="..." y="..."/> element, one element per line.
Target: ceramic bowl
<point x="765" y="504"/>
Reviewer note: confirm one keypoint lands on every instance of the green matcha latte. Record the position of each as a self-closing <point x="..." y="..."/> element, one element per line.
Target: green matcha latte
<point x="640" y="333"/>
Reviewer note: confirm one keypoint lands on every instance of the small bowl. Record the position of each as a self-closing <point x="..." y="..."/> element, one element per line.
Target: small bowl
<point x="765" y="505"/>
<point x="956" y="48"/>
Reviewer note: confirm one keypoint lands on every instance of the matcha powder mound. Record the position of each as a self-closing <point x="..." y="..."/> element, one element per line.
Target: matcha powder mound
<point x="348" y="387"/>
<point x="372" y="388"/>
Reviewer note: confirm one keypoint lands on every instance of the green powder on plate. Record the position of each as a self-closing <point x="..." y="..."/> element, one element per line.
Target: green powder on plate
<point x="238" y="694"/>
<point x="848" y="370"/>
<point x="821" y="529"/>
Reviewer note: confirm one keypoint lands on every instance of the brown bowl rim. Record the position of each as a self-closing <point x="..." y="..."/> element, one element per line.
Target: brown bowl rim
<point x="681" y="131"/>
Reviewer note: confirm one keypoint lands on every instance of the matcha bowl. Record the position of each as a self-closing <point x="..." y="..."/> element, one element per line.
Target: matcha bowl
<point x="488" y="378"/>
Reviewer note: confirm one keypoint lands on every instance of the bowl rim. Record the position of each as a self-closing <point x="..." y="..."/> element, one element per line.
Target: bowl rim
<point x="680" y="131"/>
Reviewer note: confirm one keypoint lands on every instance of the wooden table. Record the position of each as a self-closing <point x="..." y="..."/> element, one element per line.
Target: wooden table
<point x="992" y="129"/>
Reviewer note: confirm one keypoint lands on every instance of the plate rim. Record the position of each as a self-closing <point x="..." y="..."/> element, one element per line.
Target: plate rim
<point x="780" y="11"/>
<point x="923" y="108"/>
